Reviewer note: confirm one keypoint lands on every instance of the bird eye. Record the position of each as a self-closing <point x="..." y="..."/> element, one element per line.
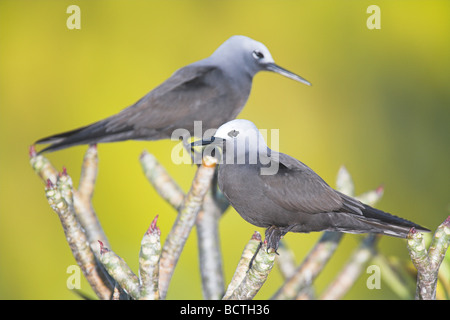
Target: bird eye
<point x="257" y="54"/>
<point x="233" y="133"/>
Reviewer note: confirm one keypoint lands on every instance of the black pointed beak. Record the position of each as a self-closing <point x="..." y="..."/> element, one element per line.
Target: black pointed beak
<point x="276" y="68"/>
<point x="213" y="141"/>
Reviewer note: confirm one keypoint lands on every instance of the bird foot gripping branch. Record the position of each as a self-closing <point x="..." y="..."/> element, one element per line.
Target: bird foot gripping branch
<point x="273" y="236"/>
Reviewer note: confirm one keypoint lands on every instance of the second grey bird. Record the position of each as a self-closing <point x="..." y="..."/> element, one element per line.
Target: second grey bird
<point x="213" y="90"/>
<point x="275" y="191"/>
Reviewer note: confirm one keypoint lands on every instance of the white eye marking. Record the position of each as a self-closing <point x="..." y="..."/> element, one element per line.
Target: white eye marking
<point x="233" y="133"/>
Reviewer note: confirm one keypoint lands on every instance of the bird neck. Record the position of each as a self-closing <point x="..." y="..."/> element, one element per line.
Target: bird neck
<point x="246" y="151"/>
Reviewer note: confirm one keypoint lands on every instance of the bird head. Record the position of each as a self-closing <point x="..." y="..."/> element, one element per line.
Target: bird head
<point x="245" y="54"/>
<point x="240" y="140"/>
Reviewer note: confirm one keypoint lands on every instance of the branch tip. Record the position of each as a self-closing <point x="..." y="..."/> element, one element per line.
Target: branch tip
<point x="209" y="162"/>
<point x="256" y="236"/>
<point x="143" y="154"/>
<point x="380" y="189"/>
<point x="103" y="249"/>
<point x="50" y="184"/>
<point x="63" y="173"/>
<point x="32" y="151"/>
<point x="447" y="222"/>
<point x="153" y="227"/>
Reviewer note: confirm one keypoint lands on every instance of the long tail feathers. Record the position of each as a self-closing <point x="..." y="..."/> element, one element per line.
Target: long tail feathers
<point x="386" y="223"/>
<point x="94" y="133"/>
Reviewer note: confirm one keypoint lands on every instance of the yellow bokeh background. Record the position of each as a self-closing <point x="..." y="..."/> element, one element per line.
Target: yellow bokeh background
<point x="380" y="104"/>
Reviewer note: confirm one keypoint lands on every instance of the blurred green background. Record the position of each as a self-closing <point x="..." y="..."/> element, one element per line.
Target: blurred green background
<point x="380" y="104"/>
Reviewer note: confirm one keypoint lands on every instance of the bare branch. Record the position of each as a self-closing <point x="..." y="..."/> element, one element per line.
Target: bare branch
<point x="204" y="205"/>
<point x="120" y="271"/>
<point x="371" y="197"/>
<point x="207" y="223"/>
<point x="256" y="276"/>
<point x="244" y="263"/>
<point x="208" y="239"/>
<point x="344" y="182"/>
<point x="42" y="166"/>
<point x="83" y="200"/>
<point x="149" y="263"/>
<point x="439" y="244"/>
<point x="88" y="173"/>
<point x="60" y="198"/>
<point x="427" y="264"/>
<point x="167" y="188"/>
<point x="186" y="218"/>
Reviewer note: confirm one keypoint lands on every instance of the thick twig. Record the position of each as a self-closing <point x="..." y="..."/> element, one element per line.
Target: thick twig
<point x="344" y="182"/>
<point x="352" y="270"/>
<point x="208" y="239"/>
<point x="149" y="263"/>
<point x="244" y="264"/>
<point x="185" y="221"/>
<point x="427" y="264"/>
<point x="444" y="279"/>
<point x="88" y="173"/>
<point x="117" y="292"/>
<point x="42" y="166"/>
<point x="207" y="223"/>
<point x="83" y="200"/>
<point x="82" y="206"/>
<point x="256" y="276"/>
<point x="60" y="199"/>
<point x="167" y="188"/>
<point x="439" y="244"/>
<point x="120" y="271"/>
<point x="426" y="285"/>
<point x="371" y="197"/>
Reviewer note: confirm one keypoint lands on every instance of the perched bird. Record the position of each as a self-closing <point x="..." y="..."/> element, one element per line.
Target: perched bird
<point x="275" y="191"/>
<point x="213" y="90"/>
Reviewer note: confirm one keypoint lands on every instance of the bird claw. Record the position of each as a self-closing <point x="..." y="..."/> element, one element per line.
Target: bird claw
<point x="273" y="237"/>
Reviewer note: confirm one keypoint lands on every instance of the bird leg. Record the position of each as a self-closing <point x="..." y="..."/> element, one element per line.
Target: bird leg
<point x="273" y="237"/>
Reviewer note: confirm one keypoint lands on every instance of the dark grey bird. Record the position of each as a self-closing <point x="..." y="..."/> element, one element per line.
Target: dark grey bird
<point x="275" y="191"/>
<point x="213" y="90"/>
